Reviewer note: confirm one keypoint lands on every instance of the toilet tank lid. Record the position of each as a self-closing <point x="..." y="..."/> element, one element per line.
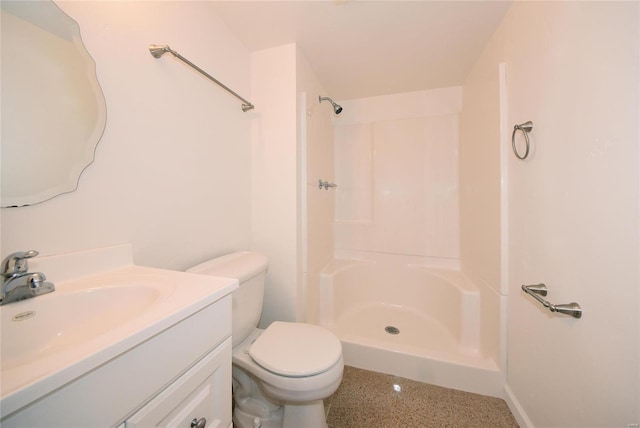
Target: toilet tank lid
<point x="242" y="265"/>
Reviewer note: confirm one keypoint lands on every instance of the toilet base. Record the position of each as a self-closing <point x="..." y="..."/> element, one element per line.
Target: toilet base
<point x="300" y="415"/>
<point x="303" y="415"/>
<point x="243" y="419"/>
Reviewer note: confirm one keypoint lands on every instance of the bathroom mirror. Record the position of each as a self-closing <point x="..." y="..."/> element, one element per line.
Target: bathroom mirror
<point x="53" y="109"/>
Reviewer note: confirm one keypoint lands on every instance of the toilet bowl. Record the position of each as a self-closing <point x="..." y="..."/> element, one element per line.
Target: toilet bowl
<point x="280" y="374"/>
<point x="300" y="395"/>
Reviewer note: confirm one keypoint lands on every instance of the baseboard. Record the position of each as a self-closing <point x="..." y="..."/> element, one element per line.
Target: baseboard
<point x="517" y="410"/>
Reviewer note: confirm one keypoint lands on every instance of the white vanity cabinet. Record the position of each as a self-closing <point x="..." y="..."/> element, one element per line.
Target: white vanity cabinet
<point x="199" y="398"/>
<point x="178" y="375"/>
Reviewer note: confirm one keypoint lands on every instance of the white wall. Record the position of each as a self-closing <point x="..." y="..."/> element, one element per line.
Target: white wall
<point x="315" y="132"/>
<point x="571" y="68"/>
<point x="396" y="170"/>
<point x="172" y="171"/>
<point x="292" y="147"/>
<point x="481" y="237"/>
<point x="480" y="175"/>
<point x="275" y="221"/>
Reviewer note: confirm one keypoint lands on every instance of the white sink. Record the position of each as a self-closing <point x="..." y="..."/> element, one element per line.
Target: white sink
<point x="76" y="313"/>
<point x="49" y="340"/>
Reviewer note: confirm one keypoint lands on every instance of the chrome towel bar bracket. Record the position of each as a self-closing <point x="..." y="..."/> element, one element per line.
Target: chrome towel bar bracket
<point x="538" y="290"/>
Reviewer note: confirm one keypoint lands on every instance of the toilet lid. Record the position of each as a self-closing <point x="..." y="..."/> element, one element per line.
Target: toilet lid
<point x="296" y="349"/>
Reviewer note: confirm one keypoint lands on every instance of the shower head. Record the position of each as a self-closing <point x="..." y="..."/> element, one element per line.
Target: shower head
<point x="337" y="109"/>
<point x="158" y="50"/>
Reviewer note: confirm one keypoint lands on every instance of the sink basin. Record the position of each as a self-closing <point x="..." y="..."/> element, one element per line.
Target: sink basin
<point x="90" y="319"/>
<point x="38" y="327"/>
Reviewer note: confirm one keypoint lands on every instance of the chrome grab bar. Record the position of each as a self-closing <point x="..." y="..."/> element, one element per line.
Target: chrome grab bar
<point x="538" y="290"/>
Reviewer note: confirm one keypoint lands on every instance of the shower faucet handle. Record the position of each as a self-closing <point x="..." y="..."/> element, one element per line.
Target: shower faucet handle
<point x="325" y="184"/>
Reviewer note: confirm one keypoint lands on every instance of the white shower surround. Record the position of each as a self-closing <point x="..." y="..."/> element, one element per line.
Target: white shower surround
<point x="397" y="256"/>
<point x="396" y="166"/>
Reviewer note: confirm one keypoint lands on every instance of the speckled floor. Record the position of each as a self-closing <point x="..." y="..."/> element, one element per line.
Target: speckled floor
<point x="368" y="399"/>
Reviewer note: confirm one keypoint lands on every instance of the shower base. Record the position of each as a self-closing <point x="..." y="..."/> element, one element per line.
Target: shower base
<point x="422" y="350"/>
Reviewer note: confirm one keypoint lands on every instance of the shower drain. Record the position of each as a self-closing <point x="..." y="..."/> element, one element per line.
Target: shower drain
<point x="392" y="330"/>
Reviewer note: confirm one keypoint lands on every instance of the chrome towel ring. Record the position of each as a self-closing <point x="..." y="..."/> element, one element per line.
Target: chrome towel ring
<point x="525" y="128"/>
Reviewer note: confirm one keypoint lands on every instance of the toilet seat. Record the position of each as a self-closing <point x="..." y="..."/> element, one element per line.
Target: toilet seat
<point x="296" y="349"/>
<point x="285" y="388"/>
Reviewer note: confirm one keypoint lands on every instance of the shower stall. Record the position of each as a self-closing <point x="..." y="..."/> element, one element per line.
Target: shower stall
<point x="383" y="266"/>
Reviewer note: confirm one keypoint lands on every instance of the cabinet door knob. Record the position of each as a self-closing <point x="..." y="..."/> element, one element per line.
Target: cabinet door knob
<point x="198" y="423"/>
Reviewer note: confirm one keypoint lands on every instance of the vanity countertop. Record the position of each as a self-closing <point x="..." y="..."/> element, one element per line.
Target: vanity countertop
<point x="91" y="318"/>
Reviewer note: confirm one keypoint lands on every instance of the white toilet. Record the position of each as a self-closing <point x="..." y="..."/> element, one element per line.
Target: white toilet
<point x="280" y="374"/>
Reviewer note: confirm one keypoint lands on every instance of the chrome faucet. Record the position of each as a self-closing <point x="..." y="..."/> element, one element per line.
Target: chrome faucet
<point x="17" y="282"/>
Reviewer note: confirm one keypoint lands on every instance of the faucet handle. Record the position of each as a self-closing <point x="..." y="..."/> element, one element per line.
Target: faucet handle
<point x="16" y="263"/>
<point x="38" y="285"/>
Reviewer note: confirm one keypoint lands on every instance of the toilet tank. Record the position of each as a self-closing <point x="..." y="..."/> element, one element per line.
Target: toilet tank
<point x="249" y="269"/>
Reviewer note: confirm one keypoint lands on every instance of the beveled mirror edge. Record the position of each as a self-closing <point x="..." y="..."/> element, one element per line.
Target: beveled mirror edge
<point x="76" y="173"/>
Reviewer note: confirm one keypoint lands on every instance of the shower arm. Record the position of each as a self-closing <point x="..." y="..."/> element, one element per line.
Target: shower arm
<point x="337" y="108"/>
<point x="158" y="50"/>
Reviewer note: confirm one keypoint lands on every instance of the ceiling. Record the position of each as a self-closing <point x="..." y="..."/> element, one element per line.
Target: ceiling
<point x="366" y="48"/>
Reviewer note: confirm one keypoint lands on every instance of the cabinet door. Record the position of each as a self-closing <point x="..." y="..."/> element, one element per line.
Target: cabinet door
<point x="203" y="392"/>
